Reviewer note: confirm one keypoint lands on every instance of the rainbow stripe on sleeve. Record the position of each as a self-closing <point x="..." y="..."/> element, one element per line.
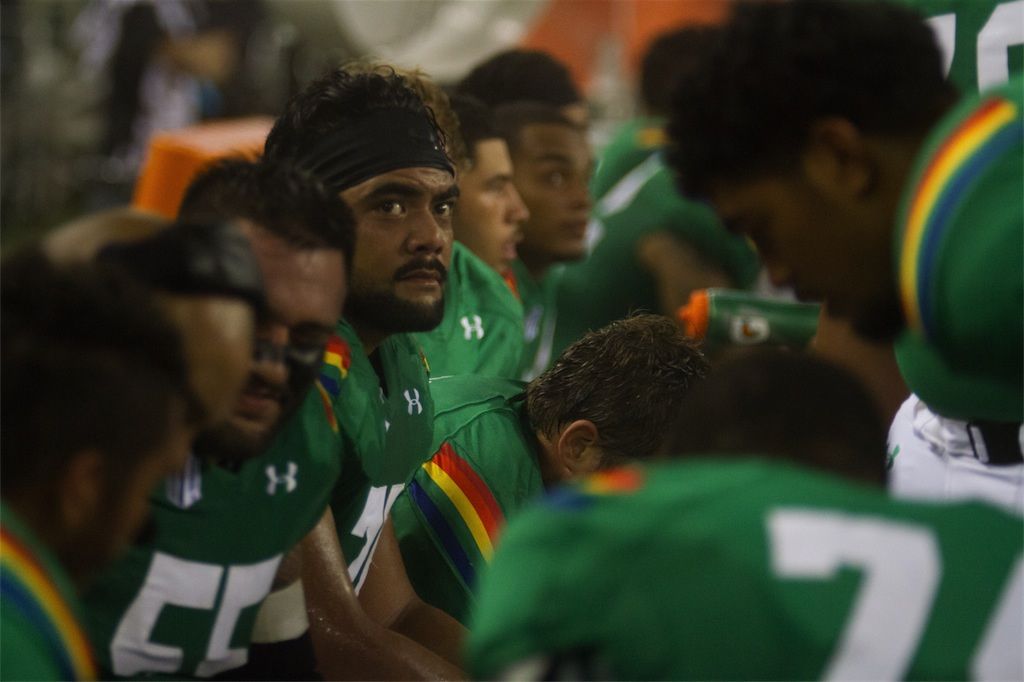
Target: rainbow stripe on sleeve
<point x="979" y="141"/>
<point x="26" y="586"/>
<point x="460" y="509"/>
<point x="332" y="418"/>
<point x="337" y="360"/>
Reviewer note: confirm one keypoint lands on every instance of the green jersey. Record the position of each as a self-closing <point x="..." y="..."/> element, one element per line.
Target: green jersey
<point x="982" y="40"/>
<point x="184" y="603"/>
<point x="631" y="144"/>
<point x="539" y="315"/>
<point x="40" y="633"/>
<point x="482" y="329"/>
<point x="958" y="249"/>
<point x="385" y="426"/>
<point x="484" y="469"/>
<point x="750" y="569"/>
<point x="611" y="283"/>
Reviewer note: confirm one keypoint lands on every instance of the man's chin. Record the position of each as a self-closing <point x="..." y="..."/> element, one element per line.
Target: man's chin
<point x="394" y="315"/>
<point x="233" y="441"/>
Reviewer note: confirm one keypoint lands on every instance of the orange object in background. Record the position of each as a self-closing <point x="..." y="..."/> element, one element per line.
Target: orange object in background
<point x="572" y="30"/>
<point x="175" y="157"/>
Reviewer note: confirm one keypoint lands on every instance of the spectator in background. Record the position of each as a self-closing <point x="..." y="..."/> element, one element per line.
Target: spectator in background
<point x="94" y="414"/>
<point x="526" y="75"/>
<point x="165" y="61"/>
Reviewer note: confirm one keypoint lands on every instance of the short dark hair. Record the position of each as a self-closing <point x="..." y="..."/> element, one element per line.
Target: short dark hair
<point x="626" y="378"/>
<point x="476" y="123"/>
<point x="788" y="405"/>
<point x="511" y="118"/>
<point x="517" y="75"/>
<point x="779" y="66"/>
<point x="334" y="101"/>
<point x="88" y="362"/>
<point x="668" y="57"/>
<point x="278" y="196"/>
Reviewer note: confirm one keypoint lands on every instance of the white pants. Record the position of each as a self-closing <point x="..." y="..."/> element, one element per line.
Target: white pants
<point x="935" y="461"/>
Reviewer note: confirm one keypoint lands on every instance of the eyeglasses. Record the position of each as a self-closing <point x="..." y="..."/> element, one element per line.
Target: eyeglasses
<point x="264" y="350"/>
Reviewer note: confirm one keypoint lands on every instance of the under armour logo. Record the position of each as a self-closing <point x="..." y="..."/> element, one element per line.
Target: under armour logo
<point x="412" y="396"/>
<point x="273" y="479"/>
<point x="476" y="326"/>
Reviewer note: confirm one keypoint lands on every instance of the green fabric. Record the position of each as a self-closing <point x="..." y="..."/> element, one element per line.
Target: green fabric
<point x="968" y="360"/>
<point x="27" y="651"/>
<point x="386" y="433"/>
<point x="969" y="20"/>
<point x="219" y="538"/>
<point x="539" y="315"/>
<point x="611" y="282"/>
<point x="484" y="429"/>
<point x="631" y="144"/>
<point x="482" y="329"/>
<point x="685" y="578"/>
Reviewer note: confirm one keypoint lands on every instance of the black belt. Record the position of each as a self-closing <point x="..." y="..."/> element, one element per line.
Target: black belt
<point x="996" y="443"/>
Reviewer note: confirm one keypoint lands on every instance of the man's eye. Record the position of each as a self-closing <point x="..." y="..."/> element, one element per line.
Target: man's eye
<point x="445" y="208"/>
<point x="556" y="179"/>
<point x="391" y="208"/>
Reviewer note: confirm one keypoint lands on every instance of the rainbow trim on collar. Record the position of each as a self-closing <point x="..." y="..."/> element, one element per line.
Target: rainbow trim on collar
<point x="337" y="360"/>
<point x="25" y="585"/>
<point x="967" y="153"/>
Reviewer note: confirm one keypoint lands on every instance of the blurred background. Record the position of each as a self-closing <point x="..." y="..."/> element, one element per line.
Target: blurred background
<point x="72" y="131"/>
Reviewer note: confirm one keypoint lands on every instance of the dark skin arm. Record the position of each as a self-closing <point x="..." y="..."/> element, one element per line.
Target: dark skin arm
<point x="678" y="269"/>
<point x="349" y="644"/>
<point x="389" y="598"/>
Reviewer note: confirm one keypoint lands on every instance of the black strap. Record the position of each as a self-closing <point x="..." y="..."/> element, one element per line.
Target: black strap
<point x="996" y="443"/>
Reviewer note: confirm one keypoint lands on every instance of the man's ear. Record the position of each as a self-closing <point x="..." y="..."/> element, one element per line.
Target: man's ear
<point x="80" y="490"/>
<point x="836" y="160"/>
<point x="577" y="448"/>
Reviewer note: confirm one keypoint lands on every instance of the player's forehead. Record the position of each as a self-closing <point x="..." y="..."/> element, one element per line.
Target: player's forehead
<point x="408" y="182"/>
<point x="491" y="158"/>
<point x="539" y="142"/>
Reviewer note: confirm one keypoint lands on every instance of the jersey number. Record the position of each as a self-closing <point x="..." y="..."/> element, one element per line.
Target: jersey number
<point x="369" y="526"/>
<point x="194" y="585"/>
<point x="901" y="568"/>
<point x="1004" y="29"/>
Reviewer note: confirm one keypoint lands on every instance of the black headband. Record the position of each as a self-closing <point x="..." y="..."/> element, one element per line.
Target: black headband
<point x="193" y="259"/>
<point x="383" y="140"/>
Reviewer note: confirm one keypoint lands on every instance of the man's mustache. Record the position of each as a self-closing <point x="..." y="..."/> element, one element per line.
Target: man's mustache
<point x="423" y="264"/>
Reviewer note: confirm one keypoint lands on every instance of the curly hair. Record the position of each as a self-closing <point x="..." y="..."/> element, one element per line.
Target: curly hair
<point x="779" y="66"/>
<point x="335" y="100"/>
<point x="626" y="378"/>
<point x="281" y="198"/>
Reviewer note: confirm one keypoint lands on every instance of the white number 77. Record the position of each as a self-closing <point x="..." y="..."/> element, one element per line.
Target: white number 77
<point x="901" y="569"/>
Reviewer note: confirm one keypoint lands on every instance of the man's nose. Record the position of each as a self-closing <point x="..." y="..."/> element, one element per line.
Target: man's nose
<point x="429" y="235"/>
